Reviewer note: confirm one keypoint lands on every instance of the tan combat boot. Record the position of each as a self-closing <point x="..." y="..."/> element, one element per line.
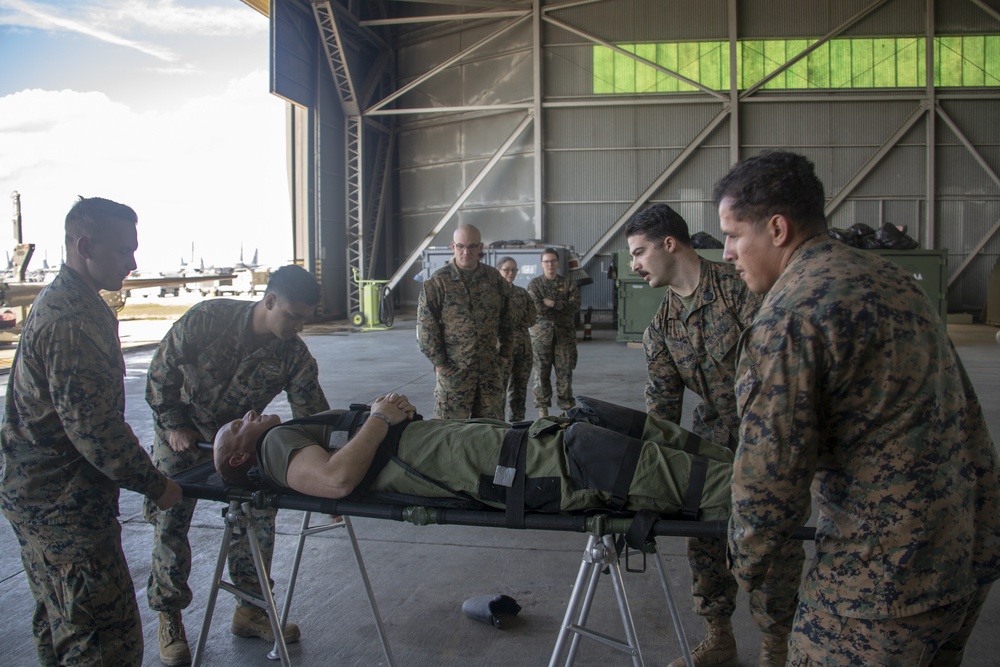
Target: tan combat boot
<point x="717" y="648"/>
<point x="173" y="643"/>
<point x="254" y="622"/>
<point x="773" y="650"/>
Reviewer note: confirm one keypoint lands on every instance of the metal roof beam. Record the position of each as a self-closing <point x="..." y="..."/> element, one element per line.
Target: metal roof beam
<point x="333" y="46"/>
<point x="677" y="163"/>
<point x="873" y="161"/>
<point x="494" y="159"/>
<point x="990" y="172"/>
<point x="649" y="63"/>
<point x="441" y="18"/>
<point x="826" y="38"/>
<point x="447" y="63"/>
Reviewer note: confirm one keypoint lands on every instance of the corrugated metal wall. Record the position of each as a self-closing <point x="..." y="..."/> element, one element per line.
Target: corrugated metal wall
<point x="601" y="152"/>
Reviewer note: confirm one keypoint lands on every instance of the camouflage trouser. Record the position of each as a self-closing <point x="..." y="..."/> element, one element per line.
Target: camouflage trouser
<point x="713" y="586"/>
<point x="554" y="348"/>
<point x="935" y="638"/>
<point x="517" y="385"/>
<point x="167" y="589"/>
<point x="85" y="609"/>
<point x="469" y="394"/>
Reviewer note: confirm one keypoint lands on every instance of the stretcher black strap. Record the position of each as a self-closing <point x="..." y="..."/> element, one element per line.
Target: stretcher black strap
<point x="626" y="471"/>
<point x="510" y="449"/>
<point x="386" y="452"/>
<point x="696" y="485"/>
<point x="692" y="444"/>
<point x="510" y="473"/>
<point x="636" y="424"/>
<point x="639" y="532"/>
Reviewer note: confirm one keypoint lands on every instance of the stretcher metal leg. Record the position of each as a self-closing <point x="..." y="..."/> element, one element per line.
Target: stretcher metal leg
<point x="305" y="531"/>
<point x="268" y="604"/>
<point x="674" y="615"/>
<point x="597" y="556"/>
<point x="238" y="515"/>
<point x="371" y="595"/>
<point x="213" y="594"/>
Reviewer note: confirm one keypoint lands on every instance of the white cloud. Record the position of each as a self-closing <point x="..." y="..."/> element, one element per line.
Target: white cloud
<point x="212" y="172"/>
<point x="121" y="22"/>
<point x="45" y="17"/>
<point x="172" y="17"/>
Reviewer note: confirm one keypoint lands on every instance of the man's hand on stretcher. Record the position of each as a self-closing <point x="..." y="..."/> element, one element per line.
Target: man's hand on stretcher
<point x="183" y="440"/>
<point x="395" y="407"/>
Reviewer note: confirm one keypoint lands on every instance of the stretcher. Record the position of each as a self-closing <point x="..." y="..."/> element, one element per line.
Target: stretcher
<point x="601" y="555"/>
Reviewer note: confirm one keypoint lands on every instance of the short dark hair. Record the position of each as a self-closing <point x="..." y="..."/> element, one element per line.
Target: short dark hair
<point x="503" y="260"/>
<point x="550" y="251"/>
<point x="89" y="216"/>
<point x="772" y="183"/>
<point x="657" y="222"/>
<point x="294" y="284"/>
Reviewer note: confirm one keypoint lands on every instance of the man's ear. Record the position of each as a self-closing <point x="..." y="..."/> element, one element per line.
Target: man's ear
<point x="238" y="458"/>
<point x="270" y="300"/>
<point x="780" y="231"/>
<point x="83" y="246"/>
<point x="669" y="243"/>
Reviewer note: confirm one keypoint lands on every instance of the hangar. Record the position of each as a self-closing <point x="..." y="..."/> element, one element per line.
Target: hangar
<point x="556" y="119"/>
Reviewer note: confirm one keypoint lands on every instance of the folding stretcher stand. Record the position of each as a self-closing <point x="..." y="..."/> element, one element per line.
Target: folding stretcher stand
<point x="201" y="483"/>
<point x="601" y="555"/>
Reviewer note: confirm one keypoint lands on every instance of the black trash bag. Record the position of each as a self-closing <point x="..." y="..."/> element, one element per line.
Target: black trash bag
<point x="490" y="608"/>
<point x="893" y="238"/>
<point x="870" y="242"/>
<point x="839" y="234"/>
<point x="856" y="234"/>
<point x="702" y="240"/>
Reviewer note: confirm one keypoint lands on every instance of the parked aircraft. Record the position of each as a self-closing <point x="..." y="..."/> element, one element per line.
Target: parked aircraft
<point x="18" y="290"/>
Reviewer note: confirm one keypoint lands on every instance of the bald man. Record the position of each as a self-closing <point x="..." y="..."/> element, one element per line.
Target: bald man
<point x="464" y="328"/>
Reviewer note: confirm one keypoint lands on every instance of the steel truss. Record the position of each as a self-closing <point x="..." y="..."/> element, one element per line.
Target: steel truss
<point x="364" y="218"/>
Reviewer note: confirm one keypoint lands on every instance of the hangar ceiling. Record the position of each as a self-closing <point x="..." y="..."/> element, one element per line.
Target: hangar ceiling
<point x="555" y="120"/>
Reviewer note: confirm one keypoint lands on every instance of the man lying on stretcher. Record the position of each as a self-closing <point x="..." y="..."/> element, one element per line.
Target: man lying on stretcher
<point x="598" y="456"/>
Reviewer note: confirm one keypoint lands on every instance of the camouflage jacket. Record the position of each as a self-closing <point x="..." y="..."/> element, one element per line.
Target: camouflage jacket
<point x="211" y="368"/>
<point x="564" y="293"/>
<point x="523" y="315"/>
<point x="66" y="446"/>
<point x="697" y="350"/>
<point x="848" y="384"/>
<point x="465" y="321"/>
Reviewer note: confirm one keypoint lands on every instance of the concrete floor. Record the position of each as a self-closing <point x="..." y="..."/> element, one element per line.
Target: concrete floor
<point x="421" y="575"/>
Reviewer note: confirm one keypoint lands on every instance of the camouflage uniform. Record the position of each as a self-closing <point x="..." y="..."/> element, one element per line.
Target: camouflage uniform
<point x="66" y="452"/>
<point x="553" y="339"/>
<point x="465" y="329"/>
<point x="523" y="314"/>
<point x="565" y="464"/>
<point x="697" y="350"/>
<point x="848" y="385"/>
<point x="208" y="370"/>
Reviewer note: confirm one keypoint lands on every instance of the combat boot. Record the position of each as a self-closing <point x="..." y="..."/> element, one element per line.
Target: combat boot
<point x="173" y="642"/>
<point x="254" y="622"/>
<point x="543" y="412"/>
<point x="773" y="650"/>
<point x="717" y="648"/>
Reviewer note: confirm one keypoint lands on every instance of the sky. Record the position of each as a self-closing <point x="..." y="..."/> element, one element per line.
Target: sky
<point x="163" y="105"/>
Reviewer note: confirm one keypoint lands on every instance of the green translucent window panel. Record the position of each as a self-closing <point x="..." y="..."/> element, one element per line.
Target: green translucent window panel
<point x="886" y="62"/>
<point x="973" y="57"/>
